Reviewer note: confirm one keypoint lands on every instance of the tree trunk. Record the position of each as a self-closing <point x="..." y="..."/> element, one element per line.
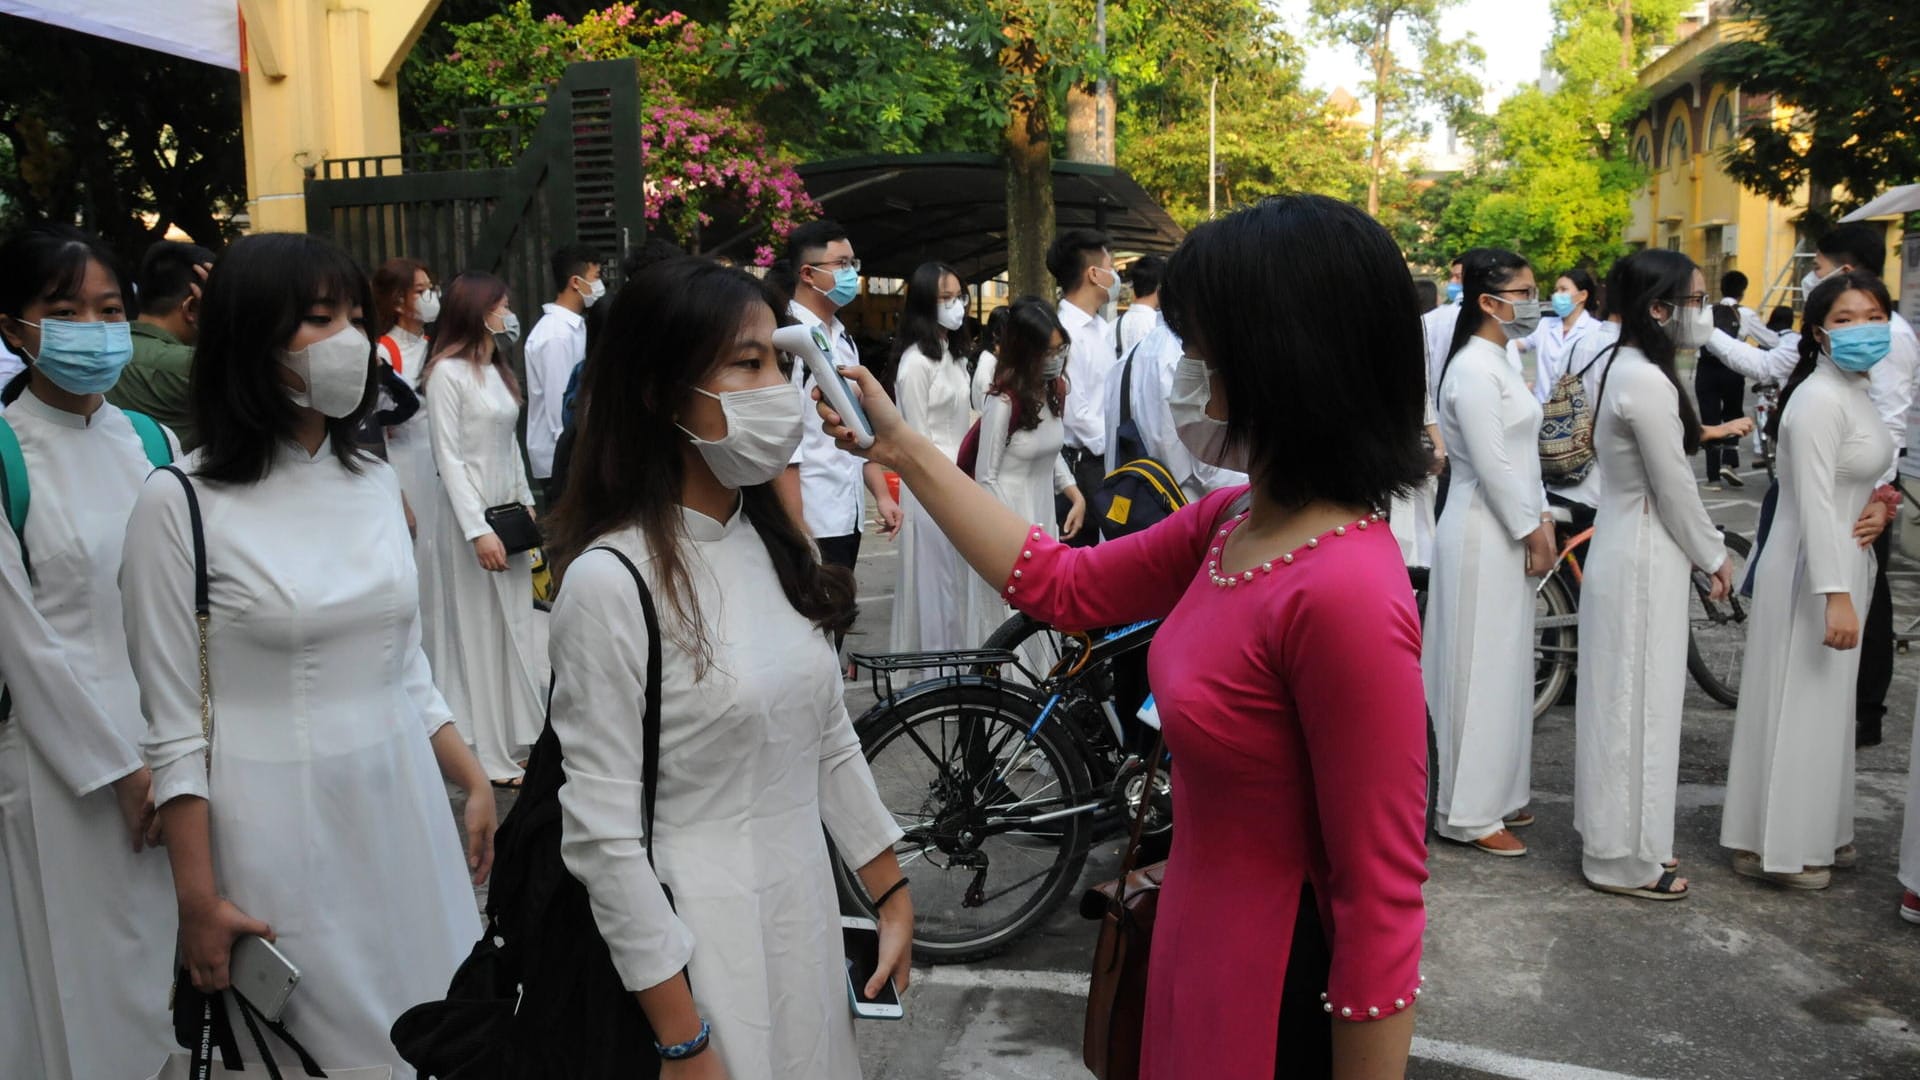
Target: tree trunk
<point x="1030" y="216"/>
<point x="1626" y="35"/>
<point x="1382" y="68"/>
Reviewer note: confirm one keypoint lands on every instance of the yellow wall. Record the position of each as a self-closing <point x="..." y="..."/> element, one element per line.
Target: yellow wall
<point x="318" y="82"/>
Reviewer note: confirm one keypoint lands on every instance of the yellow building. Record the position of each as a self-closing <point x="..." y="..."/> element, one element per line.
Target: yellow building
<point x="1690" y="204"/>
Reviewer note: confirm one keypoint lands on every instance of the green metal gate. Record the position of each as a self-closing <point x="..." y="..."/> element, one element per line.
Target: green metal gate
<point x="501" y="197"/>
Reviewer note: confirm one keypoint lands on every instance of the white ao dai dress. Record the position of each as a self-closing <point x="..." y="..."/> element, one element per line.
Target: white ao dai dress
<point x="328" y="816"/>
<point x="1024" y="470"/>
<point x="756" y="751"/>
<point x="1650" y="533"/>
<point x="410" y="452"/>
<point x="86" y="994"/>
<point x="1790" y="778"/>
<point x="1478" y="659"/>
<point x="929" y="597"/>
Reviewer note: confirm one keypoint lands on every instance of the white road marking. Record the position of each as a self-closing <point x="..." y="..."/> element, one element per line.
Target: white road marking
<point x="1074" y="984"/>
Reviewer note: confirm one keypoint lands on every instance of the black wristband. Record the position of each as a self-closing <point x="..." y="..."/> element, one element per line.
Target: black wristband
<point x="888" y="895"/>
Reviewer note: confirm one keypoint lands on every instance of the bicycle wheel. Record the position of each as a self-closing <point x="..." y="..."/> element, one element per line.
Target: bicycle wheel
<point x="1038" y="644"/>
<point x="1556" y="643"/>
<point x="1717" y="636"/>
<point x="954" y="764"/>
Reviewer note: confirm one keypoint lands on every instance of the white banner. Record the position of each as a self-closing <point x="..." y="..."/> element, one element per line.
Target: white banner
<point x="203" y="30"/>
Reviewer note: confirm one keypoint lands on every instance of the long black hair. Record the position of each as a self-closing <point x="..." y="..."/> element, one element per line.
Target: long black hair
<point x="44" y="262"/>
<point x="253" y="304"/>
<point x="1819" y="305"/>
<point x="1321" y="351"/>
<point x="1482" y="271"/>
<point x="1638" y="282"/>
<point x="920" y="320"/>
<point x="1019" y="366"/>
<point x="665" y="332"/>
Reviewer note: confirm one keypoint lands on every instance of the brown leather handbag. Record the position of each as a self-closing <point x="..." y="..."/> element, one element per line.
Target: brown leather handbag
<point x="1117" y="991"/>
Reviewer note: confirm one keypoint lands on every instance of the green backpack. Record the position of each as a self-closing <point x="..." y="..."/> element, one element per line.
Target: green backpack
<point x="15" y="498"/>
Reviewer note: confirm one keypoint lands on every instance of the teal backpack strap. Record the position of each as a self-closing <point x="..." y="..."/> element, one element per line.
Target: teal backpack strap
<point x="13" y="487"/>
<point x="153" y="437"/>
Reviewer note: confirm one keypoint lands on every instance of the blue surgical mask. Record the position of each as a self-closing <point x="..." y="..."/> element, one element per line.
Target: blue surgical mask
<point x="1454" y="291"/>
<point x="1860" y="346"/>
<point x="1563" y="304"/>
<point x="846" y="286"/>
<point x="83" y="357"/>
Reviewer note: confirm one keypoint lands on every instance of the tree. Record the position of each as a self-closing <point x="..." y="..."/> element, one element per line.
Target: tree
<point x="1848" y="77"/>
<point x="125" y="141"/>
<point x="1441" y="78"/>
<point x="1024" y="64"/>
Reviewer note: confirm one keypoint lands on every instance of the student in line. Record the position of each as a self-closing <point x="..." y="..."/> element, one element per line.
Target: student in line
<point x="406" y="302"/>
<point x="932" y="388"/>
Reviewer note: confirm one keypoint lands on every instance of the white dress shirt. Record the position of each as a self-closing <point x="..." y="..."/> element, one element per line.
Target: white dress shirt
<point x="1553" y="343"/>
<point x="1438" y="326"/>
<point x="556" y="345"/>
<point x="1135" y="324"/>
<point x="1151" y="378"/>
<point x="830" y="478"/>
<point x="1087" y="366"/>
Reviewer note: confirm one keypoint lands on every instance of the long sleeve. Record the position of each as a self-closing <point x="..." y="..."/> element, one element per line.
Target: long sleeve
<point x="1089" y="360"/>
<point x="850" y="806"/>
<point x="1477" y="409"/>
<point x="1814" y="434"/>
<point x="1141" y="576"/>
<point x="982" y="380"/>
<point x="599" y="648"/>
<point x="1760" y="365"/>
<point x="1751" y="325"/>
<point x="1062" y="476"/>
<point x="912" y="387"/>
<point x="417" y="674"/>
<point x="446" y="400"/>
<point x="1351" y="658"/>
<point x="54" y="709"/>
<point x="996" y="420"/>
<point x="1890" y="383"/>
<point x="550" y="359"/>
<point x="1547" y="364"/>
<point x="156" y="587"/>
<point x="1653" y="419"/>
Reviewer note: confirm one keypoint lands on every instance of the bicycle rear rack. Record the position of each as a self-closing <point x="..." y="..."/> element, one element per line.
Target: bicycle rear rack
<point x="882" y="667"/>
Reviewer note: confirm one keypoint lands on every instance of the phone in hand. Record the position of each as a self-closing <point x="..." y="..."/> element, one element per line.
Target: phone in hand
<point x="263" y="975"/>
<point x="862" y="940"/>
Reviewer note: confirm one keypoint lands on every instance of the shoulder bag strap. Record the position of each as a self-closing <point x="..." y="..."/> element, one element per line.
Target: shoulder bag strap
<point x="1118" y="900"/>
<point x="202" y="605"/>
<point x="1126" y="384"/>
<point x="153" y="438"/>
<point x="650" y="719"/>
<point x="14" y="496"/>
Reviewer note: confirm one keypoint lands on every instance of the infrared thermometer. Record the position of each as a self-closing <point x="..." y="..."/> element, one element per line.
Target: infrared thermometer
<point x="810" y="345"/>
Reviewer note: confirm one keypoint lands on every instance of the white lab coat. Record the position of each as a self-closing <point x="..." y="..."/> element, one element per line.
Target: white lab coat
<point x="756" y="751"/>
<point x="94" y="921"/>
<point x="328" y="814"/>
<point x="479" y="630"/>
<point x="1552" y="345"/>
<point x="1591" y="355"/>
<point x="1650" y="532"/>
<point x="1024" y="471"/>
<point x="929" y="596"/>
<point x="1478" y="660"/>
<point x="1790" y="779"/>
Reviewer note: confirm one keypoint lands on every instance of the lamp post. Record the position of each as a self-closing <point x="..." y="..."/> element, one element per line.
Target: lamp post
<point x="1213" y="152"/>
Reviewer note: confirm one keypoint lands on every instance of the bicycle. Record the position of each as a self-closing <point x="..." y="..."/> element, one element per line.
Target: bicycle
<point x="1766" y="397"/>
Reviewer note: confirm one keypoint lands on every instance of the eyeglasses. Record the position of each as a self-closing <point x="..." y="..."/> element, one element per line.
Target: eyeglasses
<point x="838" y="264"/>
<point x="1690" y="300"/>
<point x="1531" y="292"/>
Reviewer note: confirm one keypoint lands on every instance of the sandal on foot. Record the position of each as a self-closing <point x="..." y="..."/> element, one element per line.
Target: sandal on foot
<point x="1846" y="857"/>
<point x="1809" y="879"/>
<point x="1520" y="820"/>
<point x="508" y="785"/>
<point x="1492" y="844"/>
<point x="1660" y="890"/>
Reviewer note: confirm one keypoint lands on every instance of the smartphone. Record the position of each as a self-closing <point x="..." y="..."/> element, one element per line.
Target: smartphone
<point x="862" y="940"/>
<point x="810" y="344"/>
<point x="263" y="975"/>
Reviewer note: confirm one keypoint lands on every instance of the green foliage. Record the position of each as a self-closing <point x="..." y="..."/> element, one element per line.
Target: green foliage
<point x="1851" y="73"/>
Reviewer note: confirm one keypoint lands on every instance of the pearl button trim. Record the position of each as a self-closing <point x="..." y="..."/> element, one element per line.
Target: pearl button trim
<point x="1373" y="1012"/>
<point x="1229" y="581"/>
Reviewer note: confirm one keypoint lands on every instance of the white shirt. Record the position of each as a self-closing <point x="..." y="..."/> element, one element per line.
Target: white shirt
<point x="1151" y="379"/>
<point x="1087" y="366"/>
<point x="1751" y="324"/>
<point x="1135" y="324"/>
<point x="1552" y="344"/>
<point x="830" y="478"/>
<point x="1438" y="325"/>
<point x="10" y="365"/>
<point x="556" y="345"/>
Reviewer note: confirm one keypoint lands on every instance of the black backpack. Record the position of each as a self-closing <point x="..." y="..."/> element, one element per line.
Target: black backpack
<point x="539" y="998"/>
<point x="1726" y="319"/>
<point x="1141" y="492"/>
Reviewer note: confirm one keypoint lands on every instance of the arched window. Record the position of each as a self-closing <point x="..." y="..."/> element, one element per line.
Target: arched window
<point x="1643" y="152"/>
<point x="1679" y="146"/>
<point x="1720" y="126"/>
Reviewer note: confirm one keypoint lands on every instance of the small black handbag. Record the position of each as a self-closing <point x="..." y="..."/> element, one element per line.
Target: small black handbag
<point x="513" y="524"/>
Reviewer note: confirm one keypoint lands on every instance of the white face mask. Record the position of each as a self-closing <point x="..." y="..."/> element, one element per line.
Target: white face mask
<point x="1815" y="277"/>
<point x="426" y="306"/>
<point x="1203" y="436"/>
<point x="1113" y="286"/>
<point x="764" y="427"/>
<point x="952" y="314"/>
<point x="335" y="371"/>
<point x="1690" y="327"/>
<point x="1054" y="364"/>
<point x="591" y="295"/>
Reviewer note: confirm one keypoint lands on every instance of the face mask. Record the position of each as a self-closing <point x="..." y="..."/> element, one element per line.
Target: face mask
<point x="509" y="327"/>
<point x="335" y="371"/>
<point x="1859" y="347"/>
<point x="426" y="306"/>
<point x="1054" y="364"/>
<point x="846" y="286"/>
<point x="1563" y="304"/>
<point x="1203" y="436"/>
<point x="1691" y="328"/>
<point x="1526" y="318"/>
<point x="1454" y="291"/>
<point x="1814" y="278"/>
<point x="764" y="428"/>
<point x="593" y="292"/>
<point x="952" y="314"/>
<point x="1113" y="287"/>
<point x="83" y="357"/>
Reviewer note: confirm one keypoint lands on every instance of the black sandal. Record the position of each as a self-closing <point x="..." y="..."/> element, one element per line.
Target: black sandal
<point x="1659" y="890"/>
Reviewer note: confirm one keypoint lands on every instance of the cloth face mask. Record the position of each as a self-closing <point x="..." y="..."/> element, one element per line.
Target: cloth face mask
<point x="1859" y="347"/>
<point x="1526" y="318"/>
<point x="335" y="371"/>
<point x="952" y="314"/>
<point x="764" y="427"/>
<point x="1690" y="328"/>
<point x="591" y="295"/>
<point x="1203" y="436"/>
<point x="426" y="306"/>
<point x="83" y="357"/>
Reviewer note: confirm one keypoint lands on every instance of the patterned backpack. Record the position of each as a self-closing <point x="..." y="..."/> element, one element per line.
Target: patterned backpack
<point x="1566" y="430"/>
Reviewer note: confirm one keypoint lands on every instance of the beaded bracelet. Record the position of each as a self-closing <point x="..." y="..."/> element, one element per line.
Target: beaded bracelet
<point x="888" y="895"/>
<point x="691" y="1048"/>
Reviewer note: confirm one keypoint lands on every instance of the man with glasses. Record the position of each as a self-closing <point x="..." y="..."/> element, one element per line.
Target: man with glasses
<point x="822" y="487"/>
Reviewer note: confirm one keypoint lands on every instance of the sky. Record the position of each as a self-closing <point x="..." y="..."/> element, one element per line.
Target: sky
<point x="1512" y="32"/>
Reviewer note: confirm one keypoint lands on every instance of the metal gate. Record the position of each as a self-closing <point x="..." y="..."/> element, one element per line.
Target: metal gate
<point x="499" y="195"/>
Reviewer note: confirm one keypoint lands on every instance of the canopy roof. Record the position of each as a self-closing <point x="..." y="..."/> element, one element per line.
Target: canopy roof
<point x="903" y="210"/>
<point x="1900" y="200"/>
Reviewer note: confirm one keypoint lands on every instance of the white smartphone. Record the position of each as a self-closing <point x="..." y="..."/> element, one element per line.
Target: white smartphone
<point x="810" y="344"/>
<point x="862" y="939"/>
<point x="263" y="975"/>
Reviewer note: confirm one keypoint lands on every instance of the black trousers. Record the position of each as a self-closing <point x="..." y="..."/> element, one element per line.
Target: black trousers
<point x="1088" y="470"/>
<point x="1304" y="1047"/>
<point x="839" y="551"/>
<point x="1722" y="394"/>
<point x="1876" y="642"/>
